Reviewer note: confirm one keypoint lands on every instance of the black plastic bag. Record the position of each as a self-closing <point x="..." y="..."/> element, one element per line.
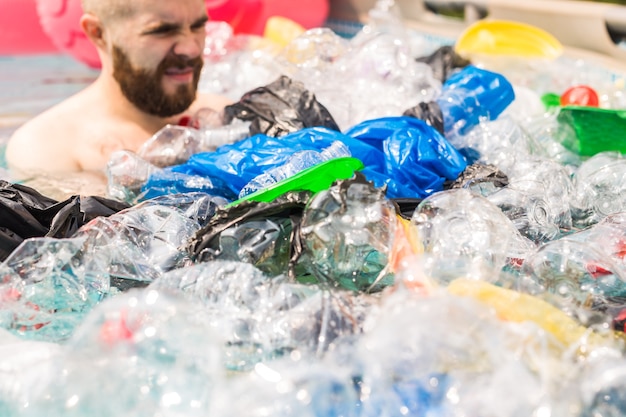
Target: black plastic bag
<point x="25" y="213"/>
<point x="484" y="177"/>
<point x="262" y="234"/>
<point x="429" y="112"/>
<point x="282" y="107"/>
<point x="444" y="61"/>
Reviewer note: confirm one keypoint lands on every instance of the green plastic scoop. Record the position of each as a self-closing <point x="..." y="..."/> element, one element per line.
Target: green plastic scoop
<point x="597" y="130"/>
<point x="316" y="178"/>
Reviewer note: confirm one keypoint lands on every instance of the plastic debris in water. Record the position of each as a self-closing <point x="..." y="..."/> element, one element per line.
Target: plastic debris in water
<point x="347" y="233"/>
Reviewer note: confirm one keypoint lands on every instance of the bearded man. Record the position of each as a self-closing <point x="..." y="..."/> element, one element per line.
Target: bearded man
<point x="151" y="55"/>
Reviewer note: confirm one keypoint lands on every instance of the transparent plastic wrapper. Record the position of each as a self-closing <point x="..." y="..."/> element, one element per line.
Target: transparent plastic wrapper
<point x="526" y="107"/>
<point x="457" y="223"/>
<point x="548" y="136"/>
<point x="50" y="284"/>
<point x="171" y="145"/>
<point x="313" y="319"/>
<point x="578" y="278"/>
<point x="312" y="54"/>
<point x="372" y="75"/>
<point x="127" y="172"/>
<point x="214" y="137"/>
<point x="599" y="187"/>
<point x="524" y="204"/>
<point x="234" y="296"/>
<point x="377" y="77"/>
<point x="557" y="75"/>
<point x="145" y="353"/>
<point x="347" y="233"/>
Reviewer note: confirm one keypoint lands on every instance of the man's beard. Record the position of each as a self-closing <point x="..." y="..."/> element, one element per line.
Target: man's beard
<point x="144" y="89"/>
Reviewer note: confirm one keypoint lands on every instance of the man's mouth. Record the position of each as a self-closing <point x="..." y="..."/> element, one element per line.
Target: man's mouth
<point x="180" y="74"/>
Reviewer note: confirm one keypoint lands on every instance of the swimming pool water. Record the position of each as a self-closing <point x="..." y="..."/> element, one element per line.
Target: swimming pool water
<point x="31" y="84"/>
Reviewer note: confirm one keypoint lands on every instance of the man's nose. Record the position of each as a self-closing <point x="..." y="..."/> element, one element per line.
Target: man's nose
<point x="190" y="45"/>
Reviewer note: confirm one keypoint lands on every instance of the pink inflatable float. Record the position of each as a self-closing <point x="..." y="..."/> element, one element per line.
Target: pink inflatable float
<point x="59" y="19"/>
<point x="20" y="30"/>
<point x="25" y="23"/>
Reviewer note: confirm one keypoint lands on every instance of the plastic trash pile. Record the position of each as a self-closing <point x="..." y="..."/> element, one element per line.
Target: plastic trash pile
<point x="376" y="227"/>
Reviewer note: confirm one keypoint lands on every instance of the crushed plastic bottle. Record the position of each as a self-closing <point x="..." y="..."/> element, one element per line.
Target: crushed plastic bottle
<point x="580" y="279"/>
<point x="599" y="188"/>
<point x="348" y="233"/>
<point x="459" y="224"/>
<point x="298" y="162"/>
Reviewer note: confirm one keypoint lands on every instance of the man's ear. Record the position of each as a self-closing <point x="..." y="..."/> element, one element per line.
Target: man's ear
<point x="92" y="26"/>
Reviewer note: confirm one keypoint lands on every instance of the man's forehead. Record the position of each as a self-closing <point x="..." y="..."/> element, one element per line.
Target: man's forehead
<point x="172" y="11"/>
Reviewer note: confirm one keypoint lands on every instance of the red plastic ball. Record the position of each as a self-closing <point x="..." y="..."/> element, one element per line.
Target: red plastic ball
<point x="580" y="95"/>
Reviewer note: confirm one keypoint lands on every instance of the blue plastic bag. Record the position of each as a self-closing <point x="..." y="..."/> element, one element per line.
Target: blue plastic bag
<point x="411" y="158"/>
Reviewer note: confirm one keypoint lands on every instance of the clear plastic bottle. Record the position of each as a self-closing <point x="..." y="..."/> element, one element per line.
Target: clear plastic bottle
<point x="299" y="161"/>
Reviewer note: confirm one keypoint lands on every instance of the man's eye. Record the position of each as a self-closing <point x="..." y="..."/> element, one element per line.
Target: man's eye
<point x="199" y="25"/>
<point x="162" y="30"/>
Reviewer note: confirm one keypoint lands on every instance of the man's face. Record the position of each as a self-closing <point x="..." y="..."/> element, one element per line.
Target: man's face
<point x="145" y="88"/>
<point x="158" y="67"/>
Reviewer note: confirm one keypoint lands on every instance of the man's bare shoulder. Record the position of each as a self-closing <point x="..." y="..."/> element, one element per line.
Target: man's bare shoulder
<point x="44" y="142"/>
